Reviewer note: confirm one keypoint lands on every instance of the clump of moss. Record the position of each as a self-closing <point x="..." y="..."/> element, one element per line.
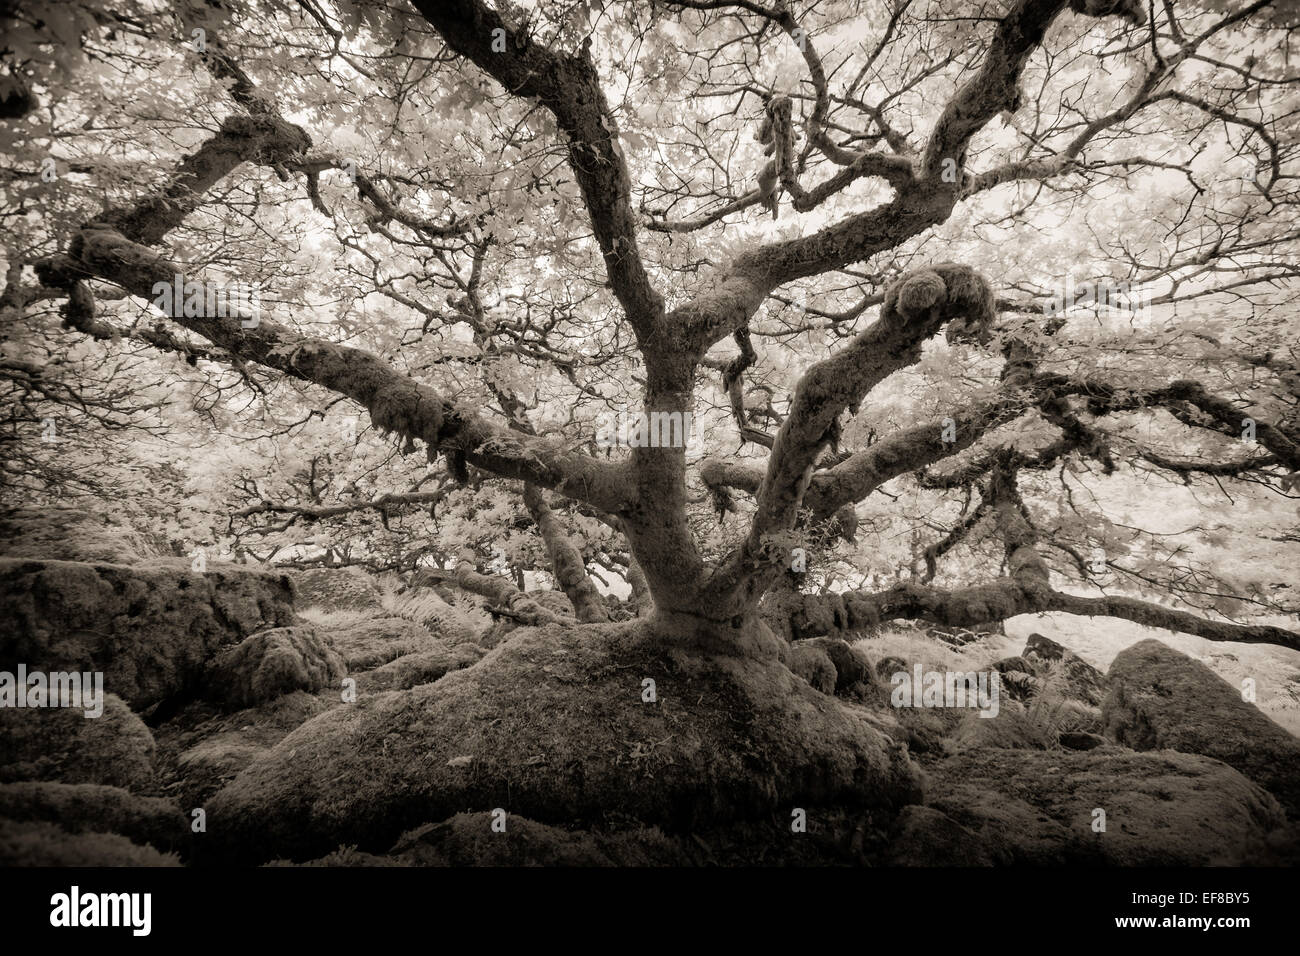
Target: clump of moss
<point x="814" y="665"/>
<point x="270" y="664"/>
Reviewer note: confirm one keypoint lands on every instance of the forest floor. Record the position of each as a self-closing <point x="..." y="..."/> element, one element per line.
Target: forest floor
<point x="253" y="717"/>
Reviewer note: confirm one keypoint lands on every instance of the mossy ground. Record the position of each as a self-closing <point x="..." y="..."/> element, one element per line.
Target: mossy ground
<point x="557" y="728"/>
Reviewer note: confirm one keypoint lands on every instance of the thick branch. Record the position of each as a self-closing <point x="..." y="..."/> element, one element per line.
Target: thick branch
<point x="809" y="615"/>
<point x="569" y="86"/>
<point x="504" y="598"/>
<point x="566" y="559"/>
<point x="915" y="307"/>
<point x="396" y="402"/>
<point x="263" y="139"/>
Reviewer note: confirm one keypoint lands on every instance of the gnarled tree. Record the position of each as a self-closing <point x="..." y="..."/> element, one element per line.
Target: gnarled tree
<point x="489" y="226"/>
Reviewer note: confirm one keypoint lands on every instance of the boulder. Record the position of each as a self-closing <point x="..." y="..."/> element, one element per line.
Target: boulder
<point x="552" y="726"/>
<point x="814" y="665"/>
<point x="74" y="534"/>
<point x="1281" y="848"/>
<point x="832" y="837"/>
<point x="1040" y="649"/>
<point x="851" y="665"/>
<point x="1161" y="808"/>
<point x="337" y="589"/>
<point x="887" y="667"/>
<point x="1081" y="679"/>
<point x="270" y="664"/>
<point x="1080" y="740"/>
<point x="150" y="629"/>
<point x="1161" y="699"/>
<point x="1014" y="665"/>
<point x="37" y="843"/>
<point x="85" y="807"/>
<point x="62" y="744"/>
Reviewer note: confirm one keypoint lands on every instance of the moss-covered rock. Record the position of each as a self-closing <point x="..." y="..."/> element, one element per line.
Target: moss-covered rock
<point x="85" y="807"/>
<point x="852" y="669"/>
<point x="44" y="844"/>
<point x="1280" y="848"/>
<point x="151" y="629"/>
<point x="814" y="665"/>
<point x="552" y="726"/>
<point x="74" y="534"/>
<point x="271" y="664"/>
<point x="887" y="667"/>
<point x="337" y="589"/>
<point x="62" y="744"/>
<point x="1161" y="808"/>
<point x="825" y="837"/>
<point x="379" y="640"/>
<point x="1161" y="699"/>
<point x="422" y="668"/>
<point x="1081" y="740"/>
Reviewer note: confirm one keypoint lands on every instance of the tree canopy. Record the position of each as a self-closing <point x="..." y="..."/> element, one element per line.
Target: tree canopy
<point x="819" y="313"/>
